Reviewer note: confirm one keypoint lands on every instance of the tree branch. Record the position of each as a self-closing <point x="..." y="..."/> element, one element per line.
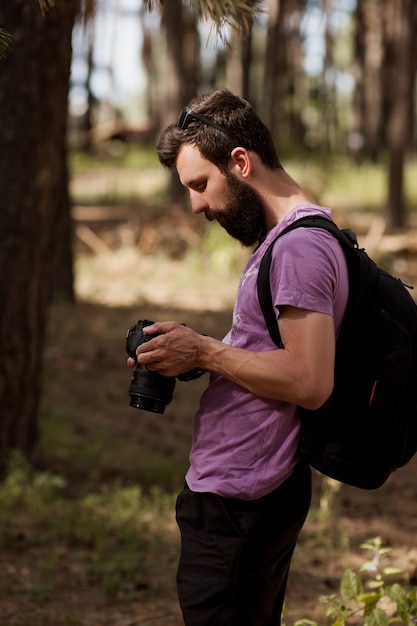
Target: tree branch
<point x="43" y="6"/>
<point x="6" y="43"/>
<point x="237" y="14"/>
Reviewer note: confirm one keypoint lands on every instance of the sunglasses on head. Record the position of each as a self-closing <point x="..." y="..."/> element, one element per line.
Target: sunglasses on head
<point x="187" y="115"/>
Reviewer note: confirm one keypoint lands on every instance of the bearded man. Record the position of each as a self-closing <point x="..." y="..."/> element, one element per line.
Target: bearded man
<point x="247" y="492"/>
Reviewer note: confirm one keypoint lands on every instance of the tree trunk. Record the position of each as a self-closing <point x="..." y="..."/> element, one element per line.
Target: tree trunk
<point x="91" y="101"/>
<point x="282" y="86"/>
<point x="247" y="60"/>
<point x="328" y="91"/>
<point x="239" y="63"/>
<point x="399" y="68"/>
<point x="181" y="67"/>
<point x="369" y="56"/>
<point x="298" y="92"/>
<point x="276" y="69"/>
<point x="63" y="286"/>
<point x="234" y="68"/>
<point x="33" y="108"/>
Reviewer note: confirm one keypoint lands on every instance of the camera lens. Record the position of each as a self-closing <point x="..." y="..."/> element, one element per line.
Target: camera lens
<point x="150" y="391"/>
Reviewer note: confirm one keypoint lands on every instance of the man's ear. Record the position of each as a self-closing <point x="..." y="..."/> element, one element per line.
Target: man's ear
<point x="240" y="162"/>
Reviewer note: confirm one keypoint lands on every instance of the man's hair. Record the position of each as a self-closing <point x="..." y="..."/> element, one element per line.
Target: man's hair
<point x="243" y="128"/>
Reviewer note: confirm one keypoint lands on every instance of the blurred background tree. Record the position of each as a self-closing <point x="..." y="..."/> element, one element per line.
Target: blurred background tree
<point x="330" y="77"/>
<point x="35" y="227"/>
<point x="34" y="82"/>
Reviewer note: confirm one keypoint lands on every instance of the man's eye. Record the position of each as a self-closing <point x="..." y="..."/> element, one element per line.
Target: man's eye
<point x="200" y="186"/>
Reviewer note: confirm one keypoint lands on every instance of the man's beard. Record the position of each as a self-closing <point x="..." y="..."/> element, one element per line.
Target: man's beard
<point x="243" y="214"/>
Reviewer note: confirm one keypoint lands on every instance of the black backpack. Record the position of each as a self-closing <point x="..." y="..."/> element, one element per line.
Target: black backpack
<point x="368" y="426"/>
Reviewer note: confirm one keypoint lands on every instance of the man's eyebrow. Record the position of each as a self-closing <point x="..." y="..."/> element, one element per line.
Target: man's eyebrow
<point x="195" y="182"/>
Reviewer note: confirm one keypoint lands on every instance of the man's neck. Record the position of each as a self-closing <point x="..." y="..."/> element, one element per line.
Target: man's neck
<point x="281" y="194"/>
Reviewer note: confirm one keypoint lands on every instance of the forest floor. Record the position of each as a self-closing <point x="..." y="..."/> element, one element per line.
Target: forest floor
<point x="55" y="577"/>
<point x="90" y="538"/>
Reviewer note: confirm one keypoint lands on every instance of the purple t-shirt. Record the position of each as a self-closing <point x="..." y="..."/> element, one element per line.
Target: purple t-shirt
<point x="244" y="446"/>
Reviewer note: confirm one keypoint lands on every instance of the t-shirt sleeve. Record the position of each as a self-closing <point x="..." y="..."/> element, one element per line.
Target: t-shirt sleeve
<point x="304" y="270"/>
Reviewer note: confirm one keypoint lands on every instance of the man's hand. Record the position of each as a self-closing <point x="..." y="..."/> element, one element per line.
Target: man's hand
<point x="173" y="351"/>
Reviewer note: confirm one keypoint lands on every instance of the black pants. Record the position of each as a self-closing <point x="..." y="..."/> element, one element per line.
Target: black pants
<point x="236" y="554"/>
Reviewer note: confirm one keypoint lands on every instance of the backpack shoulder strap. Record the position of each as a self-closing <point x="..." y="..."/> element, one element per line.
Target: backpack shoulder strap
<point x="347" y="239"/>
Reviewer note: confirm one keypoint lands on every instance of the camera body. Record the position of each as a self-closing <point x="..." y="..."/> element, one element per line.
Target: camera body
<point x="150" y="391"/>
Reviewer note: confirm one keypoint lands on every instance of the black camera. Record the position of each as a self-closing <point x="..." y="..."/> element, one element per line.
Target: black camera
<point x="150" y="391"/>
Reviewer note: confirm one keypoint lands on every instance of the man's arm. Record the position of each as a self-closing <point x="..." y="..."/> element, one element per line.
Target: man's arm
<point x="301" y="373"/>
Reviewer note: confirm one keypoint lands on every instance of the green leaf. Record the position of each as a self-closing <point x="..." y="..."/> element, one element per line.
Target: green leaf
<point x="375" y="584"/>
<point x="370" y="600"/>
<point x="392" y="570"/>
<point x="327" y="599"/>
<point x="333" y="610"/>
<point x="378" y="617"/>
<point x="397" y="593"/>
<point x="404" y="601"/>
<point x="351" y="585"/>
<point x="371" y="544"/>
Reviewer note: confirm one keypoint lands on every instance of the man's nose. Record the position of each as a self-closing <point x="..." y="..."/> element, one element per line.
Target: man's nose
<point x="198" y="204"/>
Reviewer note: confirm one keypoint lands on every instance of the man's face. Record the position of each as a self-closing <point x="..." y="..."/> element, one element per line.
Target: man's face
<point x="233" y="203"/>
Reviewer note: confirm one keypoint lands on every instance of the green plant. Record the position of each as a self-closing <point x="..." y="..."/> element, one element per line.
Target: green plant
<point x="112" y="533"/>
<point x="23" y="485"/>
<point x="375" y="602"/>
